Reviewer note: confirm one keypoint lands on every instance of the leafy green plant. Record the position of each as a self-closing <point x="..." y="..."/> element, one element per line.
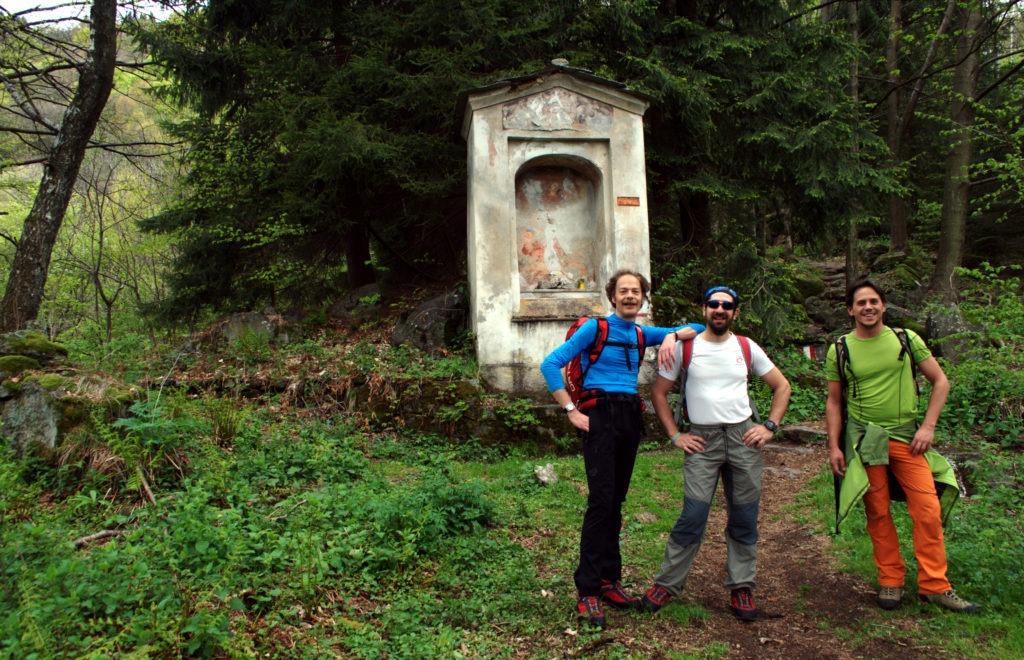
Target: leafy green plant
<point x="517" y="414"/>
<point x="252" y="347"/>
<point x="225" y="418"/>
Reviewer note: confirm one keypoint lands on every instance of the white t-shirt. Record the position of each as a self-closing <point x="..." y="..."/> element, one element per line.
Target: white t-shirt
<point x="716" y="382"/>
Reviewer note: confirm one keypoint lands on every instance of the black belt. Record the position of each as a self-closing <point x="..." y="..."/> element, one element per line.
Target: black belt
<point x="618" y="396"/>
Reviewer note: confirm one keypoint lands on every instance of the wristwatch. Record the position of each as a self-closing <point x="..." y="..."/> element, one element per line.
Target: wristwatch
<point x="770" y="425"/>
<point x="569" y="407"/>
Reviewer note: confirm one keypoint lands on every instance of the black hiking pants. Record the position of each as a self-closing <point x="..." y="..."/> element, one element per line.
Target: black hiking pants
<point x="609" y="452"/>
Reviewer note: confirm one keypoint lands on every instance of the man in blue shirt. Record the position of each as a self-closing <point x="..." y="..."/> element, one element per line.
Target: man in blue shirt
<point x="611" y="431"/>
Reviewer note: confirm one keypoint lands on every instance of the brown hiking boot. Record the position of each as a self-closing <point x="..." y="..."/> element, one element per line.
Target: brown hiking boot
<point x="951" y="602"/>
<point x="655" y="598"/>
<point x="889" y="597"/>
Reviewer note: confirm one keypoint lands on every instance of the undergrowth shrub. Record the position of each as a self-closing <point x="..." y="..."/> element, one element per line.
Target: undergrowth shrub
<point x="195" y="570"/>
<point x="807" y="378"/>
<point x="987" y="384"/>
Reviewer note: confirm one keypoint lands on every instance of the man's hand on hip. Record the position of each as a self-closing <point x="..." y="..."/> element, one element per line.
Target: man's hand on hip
<point x="757" y="436"/>
<point x="689" y="443"/>
<point x="579" y="420"/>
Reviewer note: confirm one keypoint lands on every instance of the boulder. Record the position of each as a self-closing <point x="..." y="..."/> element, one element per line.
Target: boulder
<point x="804" y="435"/>
<point x="888" y="261"/>
<point x="42" y="408"/>
<point x="34" y="345"/>
<point x="356" y="306"/>
<point x="242" y="324"/>
<point x="12" y="365"/>
<point x="435" y="324"/>
<point x="807" y="285"/>
<point x="31" y="417"/>
<point x="546" y="474"/>
<point x="942" y="323"/>
<point x="901" y="317"/>
<point x="827" y="313"/>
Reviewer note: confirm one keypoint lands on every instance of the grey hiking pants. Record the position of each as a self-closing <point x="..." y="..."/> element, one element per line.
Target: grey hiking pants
<point x="740" y="466"/>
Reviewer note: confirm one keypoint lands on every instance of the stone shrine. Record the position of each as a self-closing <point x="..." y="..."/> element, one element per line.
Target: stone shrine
<point x="557" y="202"/>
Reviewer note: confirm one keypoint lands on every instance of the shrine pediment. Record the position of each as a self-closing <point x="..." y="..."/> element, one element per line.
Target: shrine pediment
<point x="557" y="109"/>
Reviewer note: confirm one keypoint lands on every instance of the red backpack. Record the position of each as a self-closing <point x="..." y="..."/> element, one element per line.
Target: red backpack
<point x="577" y="368"/>
<point x="680" y="412"/>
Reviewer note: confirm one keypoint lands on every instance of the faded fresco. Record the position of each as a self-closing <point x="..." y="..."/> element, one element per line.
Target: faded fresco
<point x="556" y="229"/>
<point x="557" y="109"/>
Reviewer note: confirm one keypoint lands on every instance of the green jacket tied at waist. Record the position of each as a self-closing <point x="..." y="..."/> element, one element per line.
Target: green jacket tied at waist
<point x="868" y="444"/>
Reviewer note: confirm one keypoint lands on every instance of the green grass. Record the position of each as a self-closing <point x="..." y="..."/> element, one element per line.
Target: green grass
<point x="985" y="555"/>
<point x="295" y="538"/>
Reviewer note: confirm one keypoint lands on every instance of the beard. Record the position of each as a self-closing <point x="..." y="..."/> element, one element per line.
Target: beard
<point x="719" y="329"/>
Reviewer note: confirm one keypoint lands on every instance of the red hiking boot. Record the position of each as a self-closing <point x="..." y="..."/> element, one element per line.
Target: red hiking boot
<point x="588" y="609"/>
<point x="655" y="598"/>
<point x="613" y="594"/>
<point x="742" y="602"/>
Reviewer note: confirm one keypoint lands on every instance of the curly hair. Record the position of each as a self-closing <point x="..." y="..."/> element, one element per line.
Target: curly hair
<point x="609" y="289"/>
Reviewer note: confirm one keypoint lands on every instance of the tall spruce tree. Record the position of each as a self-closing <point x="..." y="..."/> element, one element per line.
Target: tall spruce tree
<point x="323" y="128"/>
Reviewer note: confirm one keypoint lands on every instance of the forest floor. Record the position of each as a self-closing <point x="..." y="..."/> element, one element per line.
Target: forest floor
<point x="809" y="607"/>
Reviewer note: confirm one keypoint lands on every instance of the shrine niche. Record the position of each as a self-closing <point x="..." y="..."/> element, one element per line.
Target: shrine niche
<point x="549" y="216"/>
<point x="556" y="220"/>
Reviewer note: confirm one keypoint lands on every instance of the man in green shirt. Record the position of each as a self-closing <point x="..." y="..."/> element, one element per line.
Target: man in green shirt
<point x="882" y="436"/>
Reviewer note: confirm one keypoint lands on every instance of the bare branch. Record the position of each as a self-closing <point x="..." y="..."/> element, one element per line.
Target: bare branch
<point x="10" y="239"/>
<point x="1014" y="70"/>
<point x="98" y="536"/>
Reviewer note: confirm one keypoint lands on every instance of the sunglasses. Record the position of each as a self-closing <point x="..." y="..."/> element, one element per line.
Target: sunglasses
<point x="725" y="304"/>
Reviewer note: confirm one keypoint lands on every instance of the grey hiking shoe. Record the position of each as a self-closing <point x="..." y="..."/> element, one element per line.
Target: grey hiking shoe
<point x="889" y="597"/>
<point x="952" y="602"/>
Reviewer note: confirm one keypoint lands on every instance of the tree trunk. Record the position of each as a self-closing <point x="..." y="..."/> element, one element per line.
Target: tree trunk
<point x="357" y="257"/>
<point x="956" y="185"/>
<point x="852" y="266"/>
<point x="32" y="258"/>
<point x="694" y="219"/>
<point x="897" y="205"/>
<point x="899" y="124"/>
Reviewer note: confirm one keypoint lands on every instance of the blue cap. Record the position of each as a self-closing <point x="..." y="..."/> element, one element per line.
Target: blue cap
<point x="721" y="289"/>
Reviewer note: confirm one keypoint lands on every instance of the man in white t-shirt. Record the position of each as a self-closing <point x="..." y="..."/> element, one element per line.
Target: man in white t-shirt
<point x="723" y="439"/>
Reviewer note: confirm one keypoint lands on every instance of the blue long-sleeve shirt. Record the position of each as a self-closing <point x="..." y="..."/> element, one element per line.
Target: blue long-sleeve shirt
<point x="616" y="368"/>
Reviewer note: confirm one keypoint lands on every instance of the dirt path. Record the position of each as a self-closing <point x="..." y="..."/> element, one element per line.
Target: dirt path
<point x="806" y="602"/>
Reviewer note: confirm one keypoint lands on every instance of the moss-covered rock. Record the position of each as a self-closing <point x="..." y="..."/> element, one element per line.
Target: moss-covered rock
<point x="51" y="382"/>
<point x="30" y="418"/>
<point x="32" y="344"/>
<point x="12" y="365"/>
<point x="808" y="284"/>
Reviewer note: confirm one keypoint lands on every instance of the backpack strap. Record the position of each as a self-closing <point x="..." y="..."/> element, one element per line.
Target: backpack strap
<point x="679" y="415"/>
<point x="600" y="339"/>
<point x="905" y="351"/>
<point x="748" y="358"/>
<point x="745" y="348"/>
<point x="843" y="366"/>
<point x="628" y="346"/>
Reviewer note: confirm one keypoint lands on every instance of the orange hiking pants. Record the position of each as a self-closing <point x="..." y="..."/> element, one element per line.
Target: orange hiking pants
<point x="915" y="477"/>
